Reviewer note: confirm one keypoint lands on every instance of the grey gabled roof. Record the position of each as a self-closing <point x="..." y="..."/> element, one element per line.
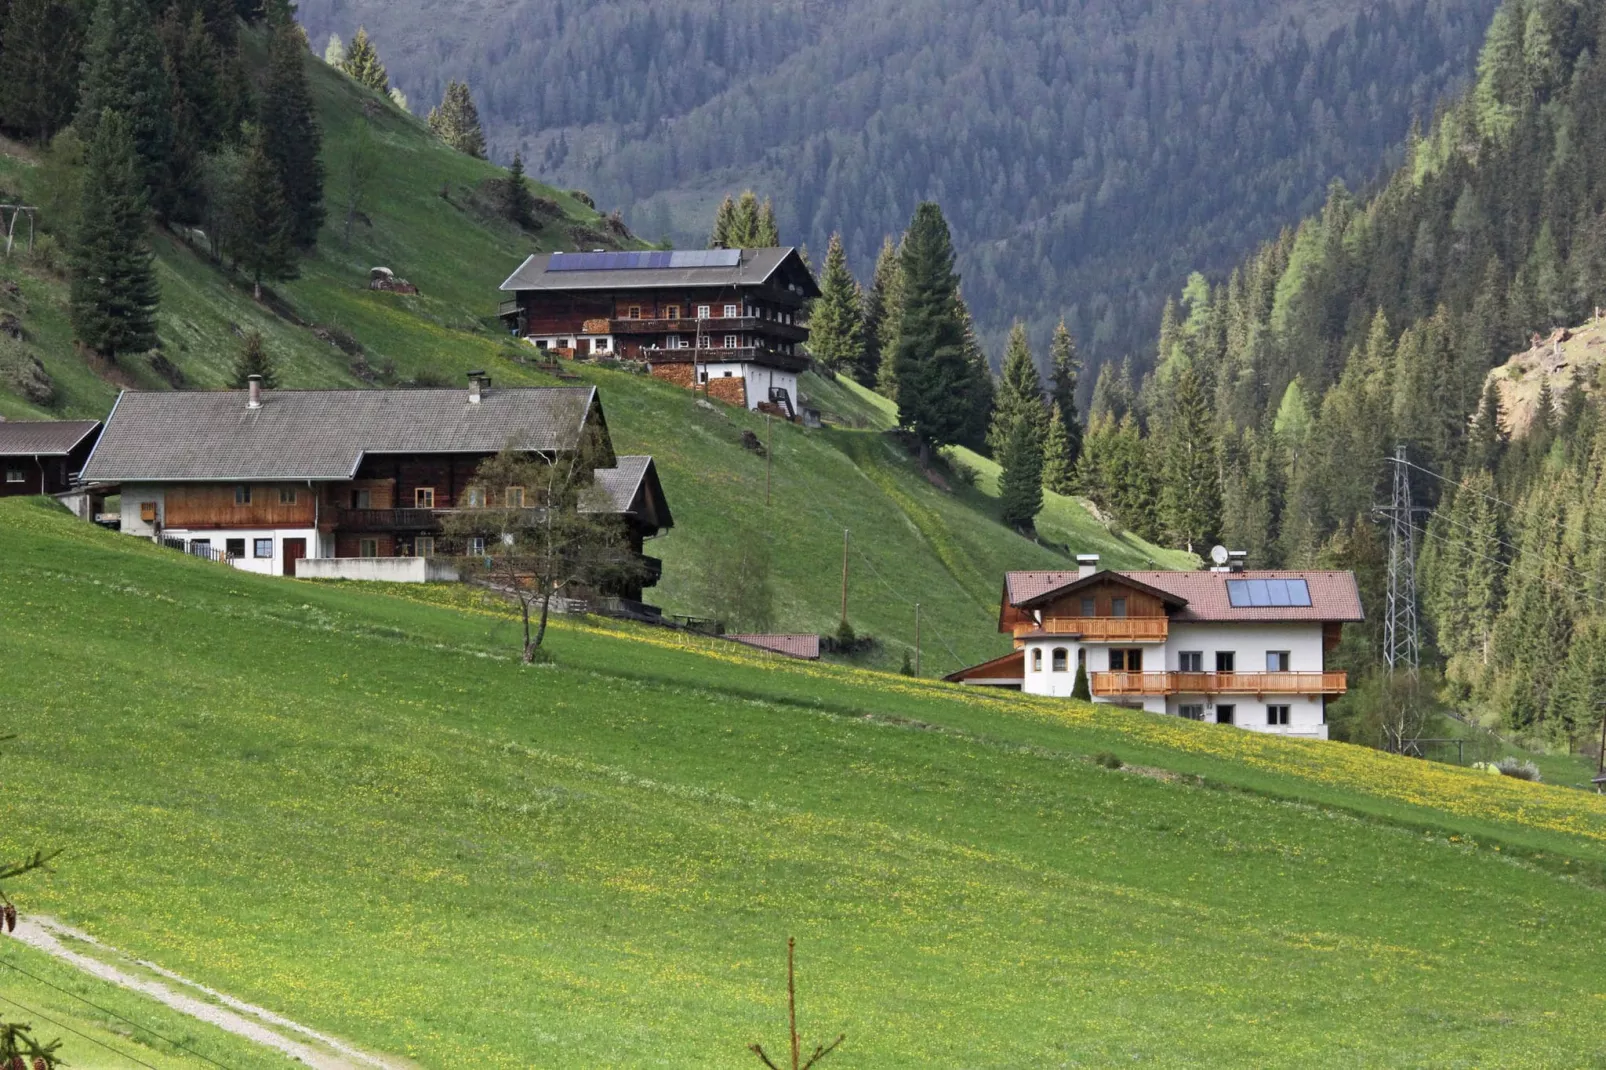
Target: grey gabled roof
<point x="631" y="487"/>
<point x="323" y="434"/>
<point x="755" y="266"/>
<point x="43" y="438"/>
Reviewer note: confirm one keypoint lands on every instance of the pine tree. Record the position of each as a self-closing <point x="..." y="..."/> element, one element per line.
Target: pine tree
<point x="363" y="65"/>
<point x="1079" y="688"/>
<point x="1020" y="394"/>
<point x="124" y="73"/>
<point x="290" y="132"/>
<point x="1190" y="493"/>
<point x="744" y="222"/>
<point x="263" y="228"/>
<point x="1487" y="445"/>
<point x="882" y="310"/>
<point x="980" y="390"/>
<point x="254" y="359"/>
<point x="520" y="202"/>
<point x="930" y="355"/>
<point x="766" y="232"/>
<point x="114" y="292"/>
<point x="44" y="44"/>
<point x="723" y="218"/>
<point x="836" y="321"/>
<point x="457" y="121"/>
<point x="1065" y="372"/>
<point x="1020" y="484"/>
<point x="1059" y="462"/>
<point x="334" y="53"/>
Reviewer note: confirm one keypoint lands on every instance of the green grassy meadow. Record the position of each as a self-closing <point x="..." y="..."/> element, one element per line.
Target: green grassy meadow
<point x="356" y="808"/>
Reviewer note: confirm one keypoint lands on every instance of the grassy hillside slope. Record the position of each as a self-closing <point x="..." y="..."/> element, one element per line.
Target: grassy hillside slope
<point x="360" y="810"/>
<point x="914" y="542"/>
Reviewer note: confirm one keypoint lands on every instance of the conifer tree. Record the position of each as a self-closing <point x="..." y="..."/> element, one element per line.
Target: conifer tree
<point x="114" y="292"/>
<point x="334" y="53"/>
<point x="1190" y="489"/>
<point x="1020" y="484"/>
<point x="724" y="217"/>
<point x="1020" y="394"/>
<point x="930" y="356"/>
<point x="457" y="121"/>
<point x="1065" y="373"/>
<point x="44" y="45"/>
<point x="262" y="231"/>
<point x="1059" y="470"/>
<point x="520" y="202"/>
<point x="1487" y="445"/>
<point x="744" y="221"/>
<point x="882" y="310"/>
<point x="124" y="73"/>
<point x="980" y="390"/>
<point x="290" y="132"/>
<point x="362" y="63"/>
<point x="254" y="359"/>
<point x="766" y="232"/>
<point x="835" y="322"/>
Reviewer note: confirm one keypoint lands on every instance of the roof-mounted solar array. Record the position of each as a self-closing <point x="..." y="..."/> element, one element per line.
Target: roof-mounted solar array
<point x="636" y="261"/>
<point x="1246" y="594"/>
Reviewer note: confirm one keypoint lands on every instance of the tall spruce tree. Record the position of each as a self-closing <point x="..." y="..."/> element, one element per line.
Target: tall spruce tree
<point x="520" y="202"/>
<point x="39" y="65"/>
<point x="1019" y="395"/>
<point x="724" y="216"/>
<point x="766" y="232"/>
<point x="1065" y="373"/>
<point x="1059" y="470"/>
<point x="363" y="65"/>
<point x="980" y="390"/>
<point x="124" y="73"/>
<point x="1190" y="494"/>
<point x="262" y="232"/>
<point x="254" y="359"/>
<point x="930" y="355"/>
<point x="113" y="292"/>
<point x="836" y="323"/>
<point x="457" y="121"/>
<point x="334" y="52"/>
<point x="883" y="307"/>
<point x="743" y="232"/>
<point x="1020" y="484"/>
<point x="290" y="132"/>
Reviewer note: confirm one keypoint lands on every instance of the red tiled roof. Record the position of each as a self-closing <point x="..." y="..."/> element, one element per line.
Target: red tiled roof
<point x="1011" y="666"/>
<point x="1333" y="595"/>
<point x="795" y="646"/>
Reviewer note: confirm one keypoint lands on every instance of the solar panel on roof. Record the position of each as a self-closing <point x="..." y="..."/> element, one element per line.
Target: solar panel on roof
<point x="637" y="261"/>
<point x="705" y="258"/>
<point x="1255" y="594"/>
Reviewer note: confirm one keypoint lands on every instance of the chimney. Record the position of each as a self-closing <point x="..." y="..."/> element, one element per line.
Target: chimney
<point x="1086" y="565"/>
<point x="253" y="397"/>
<point x="477" y="382"/>
<point x="1237" y="560"/>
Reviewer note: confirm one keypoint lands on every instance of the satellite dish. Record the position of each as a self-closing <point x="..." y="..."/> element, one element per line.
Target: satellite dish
<point x="1218" y="554"/>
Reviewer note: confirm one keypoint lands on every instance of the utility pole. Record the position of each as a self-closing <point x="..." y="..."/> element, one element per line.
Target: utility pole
<point x="1600" y="766"/>
<point x="769" y="453"/>
<point x="1402" y="640"/>
<point x="917" y="639"/>
<point x="844" y="575"/>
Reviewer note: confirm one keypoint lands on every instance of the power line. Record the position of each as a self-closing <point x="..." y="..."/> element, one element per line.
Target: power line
<point x="1511" y="568"/>
<point x="1402" y="639"/>
<point x="114" y="1014"/>
<point x="115" y="1051"/>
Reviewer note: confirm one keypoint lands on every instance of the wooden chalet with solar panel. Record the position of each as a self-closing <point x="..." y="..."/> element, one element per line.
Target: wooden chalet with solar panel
<point x="729" y="322"/>
<point x="1229" y="645"/>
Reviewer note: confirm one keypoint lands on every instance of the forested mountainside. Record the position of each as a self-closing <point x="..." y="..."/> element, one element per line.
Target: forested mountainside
<point x="1086" y="154"/>
<point x="1376" y="323"/>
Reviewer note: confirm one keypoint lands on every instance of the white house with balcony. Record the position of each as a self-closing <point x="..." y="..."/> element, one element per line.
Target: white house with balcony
<point x="1232" y="646"/>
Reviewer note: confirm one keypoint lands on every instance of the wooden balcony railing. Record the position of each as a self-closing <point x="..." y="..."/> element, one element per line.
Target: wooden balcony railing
<point x="1102" y="629"/>
<point x="1106" y="684"/>
<point x="794" y="332"/>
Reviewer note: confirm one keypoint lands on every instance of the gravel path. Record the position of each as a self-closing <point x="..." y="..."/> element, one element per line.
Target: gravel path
<point x="256" y="1024"/>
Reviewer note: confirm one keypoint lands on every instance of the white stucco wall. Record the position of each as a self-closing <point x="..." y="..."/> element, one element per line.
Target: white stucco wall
<point x="759" y="380"/>
<point x="385" y="569"/>
<point x="133" y="496"/>
<point x="267" y="566"/>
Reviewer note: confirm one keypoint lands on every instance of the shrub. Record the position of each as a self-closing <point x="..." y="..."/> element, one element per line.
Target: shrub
<point x="844" y="634"/>
<point x="963" y="473"/>
<point x="1108" y="760"/>
<point x="1516" y="767"/>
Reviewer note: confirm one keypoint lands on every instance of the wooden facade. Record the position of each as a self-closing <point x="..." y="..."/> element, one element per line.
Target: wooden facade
<point x="221" y="506"/>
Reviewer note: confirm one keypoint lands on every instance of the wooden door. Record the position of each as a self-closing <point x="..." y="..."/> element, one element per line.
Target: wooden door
<point x="294" y="550"/>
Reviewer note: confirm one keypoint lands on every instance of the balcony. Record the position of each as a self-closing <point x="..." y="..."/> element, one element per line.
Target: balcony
<point x="356" y="520"/>
<point x="792" y="332"/>
<point x="709" y="355"/>
<point x="1101" y="629"/>
<point x="1128" y="684"/>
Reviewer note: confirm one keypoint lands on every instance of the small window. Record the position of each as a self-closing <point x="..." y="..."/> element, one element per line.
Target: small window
<point x="1037" y="661"/>
<point x="1089" y="608"/>
<point x="287" y="495"/>
<point x="1277" y="715"/>
<point x="476" y="545"/>
<point x="1225" y="714"/>
<point x="424" y="497"/>
<point x="633" y="312"/>
<point x="1059" y="660"/>
<point x="1118" y="607"/>
<point x="1192" y="712"/>
<point x="14" y="475"/>
<point x="235" y="548"/>
<point x="732" y="342"/>
<point x="242" y="495"/>
<point x="424" y="546"/>
<point x="476" y="497"/>
<point x="264" y="548"/>
<point x="728" y="374"/>
<point x="1191" y="661"/>
<point x="1126" y="659"/>
<point x="600" y="345"/>
<point x="671" y="312"/>
<point x="1276" y="661"/>
<point x="367" y="547"/>
<point x="540" y="343"/>
<point x="513" y="498"/>
<point x="704" y="342"/>
<point x="362" y="499"/>
<point x="703" y="312"/>
<point x="677" y="342"/>
<point x="730" y="312"/>
<point x="702" y="375"/>
<point x="1226" y="661"/>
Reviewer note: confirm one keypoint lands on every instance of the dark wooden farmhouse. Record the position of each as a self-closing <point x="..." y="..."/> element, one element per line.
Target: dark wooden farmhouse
<point x="346" y="483"/>
<point x="729" y="321"/>
<point x="42" y="457"/>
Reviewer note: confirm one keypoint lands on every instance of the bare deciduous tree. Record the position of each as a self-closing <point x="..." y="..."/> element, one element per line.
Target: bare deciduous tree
<point x="820" y="1050"/>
